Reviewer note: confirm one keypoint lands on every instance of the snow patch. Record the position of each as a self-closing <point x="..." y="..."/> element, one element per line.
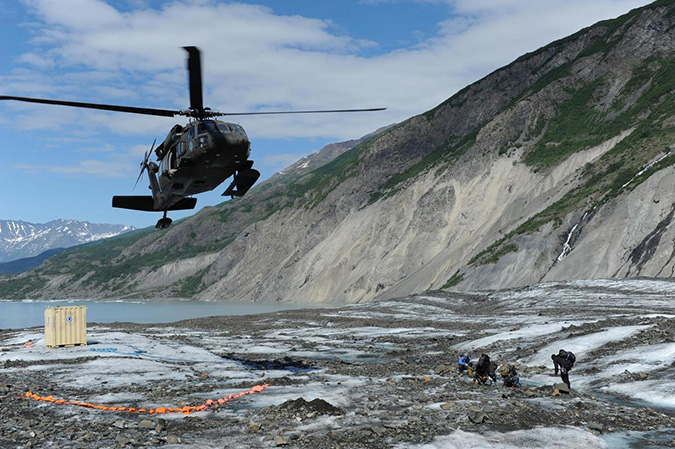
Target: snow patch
<point x="537" y="438"/>
<point x="584" y="344"/>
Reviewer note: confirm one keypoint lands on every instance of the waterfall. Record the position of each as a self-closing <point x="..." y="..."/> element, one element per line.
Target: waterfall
<point x="566" y="246"/>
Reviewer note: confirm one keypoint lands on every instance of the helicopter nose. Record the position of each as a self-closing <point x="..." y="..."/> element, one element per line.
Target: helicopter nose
<point x="235" y="139"/>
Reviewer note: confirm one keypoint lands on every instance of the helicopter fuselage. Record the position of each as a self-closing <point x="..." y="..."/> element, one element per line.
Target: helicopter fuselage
<point x="197" y="158"/>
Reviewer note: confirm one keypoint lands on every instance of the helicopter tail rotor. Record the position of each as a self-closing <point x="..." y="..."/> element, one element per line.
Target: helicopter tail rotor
<point x="144" y="164"/>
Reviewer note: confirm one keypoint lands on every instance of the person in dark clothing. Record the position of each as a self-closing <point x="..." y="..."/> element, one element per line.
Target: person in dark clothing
<point x="563" y="361"/>
<point x="482" y="369"/>
<point x="509" y="375"/>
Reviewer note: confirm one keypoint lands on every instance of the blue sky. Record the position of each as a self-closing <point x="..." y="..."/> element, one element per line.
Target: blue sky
<point x="406" y="55"/>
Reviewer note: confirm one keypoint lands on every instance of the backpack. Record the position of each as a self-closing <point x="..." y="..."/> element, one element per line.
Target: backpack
<point x="571" y="357"/>
<point x="504" y="370"/>
<point x="483" y="364"/>
<point x="568" y="359"/>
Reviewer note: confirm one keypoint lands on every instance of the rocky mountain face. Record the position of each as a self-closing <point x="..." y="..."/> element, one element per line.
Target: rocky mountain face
<point x="19" y="239"/>
<point x="558" y="166"/>
<point x="315" y="160"/>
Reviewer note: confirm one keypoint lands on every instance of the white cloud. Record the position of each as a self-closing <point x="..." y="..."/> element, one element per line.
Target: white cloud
<point x="253" y="58"/>
<point x="39" y="62"/>
<point x="92" y="167"/>
<point x="80" y="14"/>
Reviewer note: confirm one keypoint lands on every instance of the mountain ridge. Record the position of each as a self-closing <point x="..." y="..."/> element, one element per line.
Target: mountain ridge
<point x="568" y="145"/>
<point x="28" y="263"/>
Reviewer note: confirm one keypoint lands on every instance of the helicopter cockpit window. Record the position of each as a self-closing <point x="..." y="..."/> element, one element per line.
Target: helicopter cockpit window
<point x="191" y="133"/>
<point x="223" y="128"/>
<point x="209" y="126"/>
<point x="237" y="129"/>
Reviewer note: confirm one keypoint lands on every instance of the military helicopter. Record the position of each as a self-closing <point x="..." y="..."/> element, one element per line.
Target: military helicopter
<point x="193" y="158"/>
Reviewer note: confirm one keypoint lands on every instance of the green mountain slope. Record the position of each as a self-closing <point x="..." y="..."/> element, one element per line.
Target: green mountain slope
<point x="557" y="166"/>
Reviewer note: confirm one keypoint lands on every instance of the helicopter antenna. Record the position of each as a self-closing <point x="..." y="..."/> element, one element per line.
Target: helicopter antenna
<point x="194" y="67"/>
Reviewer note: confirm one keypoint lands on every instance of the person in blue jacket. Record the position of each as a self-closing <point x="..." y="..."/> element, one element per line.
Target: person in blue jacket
<point x="464" y="363"/>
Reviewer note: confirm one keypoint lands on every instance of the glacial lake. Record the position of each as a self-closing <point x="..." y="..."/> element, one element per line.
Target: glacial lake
<point x="29" y="313"/>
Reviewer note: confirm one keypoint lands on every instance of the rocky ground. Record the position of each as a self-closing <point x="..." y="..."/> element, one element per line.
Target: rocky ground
<point x="378" y="375"/>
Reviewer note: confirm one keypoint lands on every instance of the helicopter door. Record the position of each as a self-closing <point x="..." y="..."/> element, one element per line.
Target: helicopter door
<point x="167" y="163"/>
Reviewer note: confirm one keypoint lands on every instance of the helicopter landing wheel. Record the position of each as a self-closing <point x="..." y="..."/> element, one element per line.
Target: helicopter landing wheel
<point x="164" y="223"/>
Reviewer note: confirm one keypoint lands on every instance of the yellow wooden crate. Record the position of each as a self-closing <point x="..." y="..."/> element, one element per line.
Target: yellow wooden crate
<point x="65" y="326"/>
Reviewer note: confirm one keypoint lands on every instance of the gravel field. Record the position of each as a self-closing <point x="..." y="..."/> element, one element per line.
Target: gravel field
<point x="377" y="375"/>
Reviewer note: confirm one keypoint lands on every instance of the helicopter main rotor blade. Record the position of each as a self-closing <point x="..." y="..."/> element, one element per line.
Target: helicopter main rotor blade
<point x="104" y="107"/>
<point x="222" y="114"/>
<point x="194" y="67"/>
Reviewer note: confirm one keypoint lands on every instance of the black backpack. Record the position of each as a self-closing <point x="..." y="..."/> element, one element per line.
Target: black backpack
<point x="483" y="364"/>
<point x="568" y="359"/>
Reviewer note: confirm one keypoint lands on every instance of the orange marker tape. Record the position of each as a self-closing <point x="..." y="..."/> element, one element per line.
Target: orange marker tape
<point x="186" y="410"/>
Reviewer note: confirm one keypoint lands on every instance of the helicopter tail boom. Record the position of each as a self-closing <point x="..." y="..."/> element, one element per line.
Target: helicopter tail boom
<point x="147" y="203"/>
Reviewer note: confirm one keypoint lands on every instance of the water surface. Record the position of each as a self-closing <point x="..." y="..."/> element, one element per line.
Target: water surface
<point x="29" y="313"/>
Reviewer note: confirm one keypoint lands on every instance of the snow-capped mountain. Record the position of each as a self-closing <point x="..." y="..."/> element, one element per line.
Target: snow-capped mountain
<point x="19" y="239"/>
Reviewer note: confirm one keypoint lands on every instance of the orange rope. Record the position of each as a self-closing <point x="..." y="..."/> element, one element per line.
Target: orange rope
<point x="187" y="409"/>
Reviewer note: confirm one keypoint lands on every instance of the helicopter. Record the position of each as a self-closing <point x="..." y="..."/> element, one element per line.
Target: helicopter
<point x="193" y="158"/>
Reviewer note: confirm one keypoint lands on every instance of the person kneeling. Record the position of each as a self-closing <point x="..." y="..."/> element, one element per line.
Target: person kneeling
<point x="464" y="363"/>
<point x="509" y="375"/>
